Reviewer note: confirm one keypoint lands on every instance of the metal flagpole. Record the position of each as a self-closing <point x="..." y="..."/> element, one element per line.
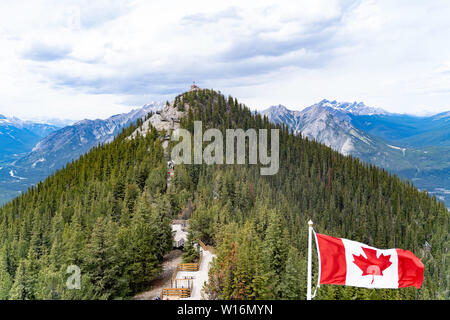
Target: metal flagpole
<point x="310" y="230"/>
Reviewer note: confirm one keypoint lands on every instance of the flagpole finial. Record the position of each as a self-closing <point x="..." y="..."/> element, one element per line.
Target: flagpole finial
<point x="310" y="223"/>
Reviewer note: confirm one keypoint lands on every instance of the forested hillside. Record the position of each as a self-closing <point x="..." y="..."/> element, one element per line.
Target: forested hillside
<point x="104" y="213"/>
<point x="109" y="213"/>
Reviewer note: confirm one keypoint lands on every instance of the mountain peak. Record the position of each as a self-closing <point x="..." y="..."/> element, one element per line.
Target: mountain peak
<point x="356" y="108"/>
<point x="278" y="109"/>
<point x="442" y="115"/>
<point x="279" y="114"/>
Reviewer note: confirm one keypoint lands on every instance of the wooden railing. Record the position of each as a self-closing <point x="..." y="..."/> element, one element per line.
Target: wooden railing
<point x="179" y="292"/>
<point x="205" y="247"/>
<point x="174" y="276"/>
<point x="183" y="222"/>
<point x="186" y="267"/>
<point x="200" y="259"/>
<point x="186" y="282"/>
<point x="193" y="266"/>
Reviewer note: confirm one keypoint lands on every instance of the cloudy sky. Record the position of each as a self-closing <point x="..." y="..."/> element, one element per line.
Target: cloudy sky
<point x="94" y="58"/>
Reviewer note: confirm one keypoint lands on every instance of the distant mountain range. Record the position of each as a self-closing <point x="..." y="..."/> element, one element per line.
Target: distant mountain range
<point x="18" y="137"/>
<point x="55" y="148"/>
<point x="415" y="148"/>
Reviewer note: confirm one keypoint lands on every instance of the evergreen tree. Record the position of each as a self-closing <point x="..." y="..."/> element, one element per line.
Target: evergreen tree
<point x="5" y="278"/>
<point x="293" y="285"/>
<point x="275" y="252"/>
<point x="19" y="289"/>
<point x="101" y="261"/>
<point x="190" y="252"/>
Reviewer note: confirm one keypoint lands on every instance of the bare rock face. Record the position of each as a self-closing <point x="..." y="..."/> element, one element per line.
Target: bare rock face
<point x="167" y="119"/>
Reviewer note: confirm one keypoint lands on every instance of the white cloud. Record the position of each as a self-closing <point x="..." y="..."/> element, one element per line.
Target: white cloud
<point x="93" y="59"/>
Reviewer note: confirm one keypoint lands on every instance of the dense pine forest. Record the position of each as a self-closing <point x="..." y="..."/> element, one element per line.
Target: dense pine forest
<point x="109" y="213"/>
<point x="104" y="213"/>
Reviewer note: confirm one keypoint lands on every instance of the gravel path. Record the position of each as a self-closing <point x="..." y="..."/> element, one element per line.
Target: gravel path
<point x="170" y="262"/>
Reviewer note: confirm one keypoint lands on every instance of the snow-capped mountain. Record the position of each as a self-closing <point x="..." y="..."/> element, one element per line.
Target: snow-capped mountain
<point x="70" y="142"/>
<point x="58" y="122"/>
<point x="18" y="137"/>
<point x="280" y="114"/>
<point x="67" y="144"/>
<point x="328" y="122"/>
<point x="416" y="148"/>
<point x="38" y="128"/>
<point x="355" y="108"/>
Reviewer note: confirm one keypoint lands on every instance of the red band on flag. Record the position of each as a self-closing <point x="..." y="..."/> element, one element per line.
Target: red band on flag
<point x="332" y="260"/>
<point x="410" y="269"/>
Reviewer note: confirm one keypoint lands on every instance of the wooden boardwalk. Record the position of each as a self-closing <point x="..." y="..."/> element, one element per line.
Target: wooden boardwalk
<point x="186" y="282"/>
<point x="185" y="274"/>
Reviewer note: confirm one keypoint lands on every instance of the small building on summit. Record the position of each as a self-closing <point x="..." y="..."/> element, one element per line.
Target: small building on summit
<point x="194" y="87"/>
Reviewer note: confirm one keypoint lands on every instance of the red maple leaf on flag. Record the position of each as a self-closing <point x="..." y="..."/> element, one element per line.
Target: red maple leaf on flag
<point x="372" y="265"/>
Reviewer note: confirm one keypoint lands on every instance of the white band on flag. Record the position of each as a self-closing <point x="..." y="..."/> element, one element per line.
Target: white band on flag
<point x="318" y="257"/>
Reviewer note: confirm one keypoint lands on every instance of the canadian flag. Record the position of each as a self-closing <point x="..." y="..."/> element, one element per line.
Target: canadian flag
<point x="352" y="263"/>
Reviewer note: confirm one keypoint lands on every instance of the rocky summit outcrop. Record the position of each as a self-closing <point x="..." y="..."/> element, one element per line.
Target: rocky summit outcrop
<point x="167" y="119"/>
